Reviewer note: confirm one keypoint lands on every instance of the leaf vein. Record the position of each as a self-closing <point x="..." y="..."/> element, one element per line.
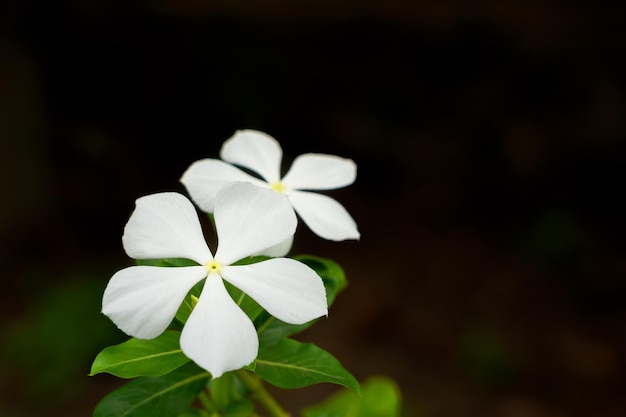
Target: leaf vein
<point x="165" y="390"/>
<point x="156" y="355"/>
<point x="301" y="368"/>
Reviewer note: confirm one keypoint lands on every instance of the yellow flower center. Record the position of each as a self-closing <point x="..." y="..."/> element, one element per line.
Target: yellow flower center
<point x="213" y="266"/>
<point x="278" y="187"/>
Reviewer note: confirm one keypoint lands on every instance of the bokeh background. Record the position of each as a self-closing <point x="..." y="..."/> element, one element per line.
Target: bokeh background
<point x="489" y="135"/>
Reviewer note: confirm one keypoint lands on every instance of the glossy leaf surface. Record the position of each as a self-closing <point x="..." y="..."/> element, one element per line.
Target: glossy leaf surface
<point x="380" y="397"/>
<point x="164" y="396"/>
<point x="137" y="357"/>
<point x="292" y="364"/>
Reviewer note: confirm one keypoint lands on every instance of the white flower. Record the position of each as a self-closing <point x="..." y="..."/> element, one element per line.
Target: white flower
<point x="262" y="154"/>
<point x="219" y="336"/>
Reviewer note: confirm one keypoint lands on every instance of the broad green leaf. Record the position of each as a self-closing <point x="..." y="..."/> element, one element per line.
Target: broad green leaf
<point x="292" y="364"/>
<point x="136" y="357"/>
<point x="164" y="396"/>
<point x="380" y="397"/>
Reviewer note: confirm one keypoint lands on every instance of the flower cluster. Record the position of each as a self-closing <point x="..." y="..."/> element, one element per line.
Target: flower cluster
<point x="252" y="216"/>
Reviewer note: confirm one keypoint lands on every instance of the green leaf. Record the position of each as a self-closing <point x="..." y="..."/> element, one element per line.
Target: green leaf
<point x="380" y="397"/>
<point x="164" y="396"/>
<point x="292" y="364"/>
<point x="136" y="357"/>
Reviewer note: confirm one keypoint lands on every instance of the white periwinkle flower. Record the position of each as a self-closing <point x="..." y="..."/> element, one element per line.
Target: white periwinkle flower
<point x="218" y="335"/>
<point x="262" y="154"/>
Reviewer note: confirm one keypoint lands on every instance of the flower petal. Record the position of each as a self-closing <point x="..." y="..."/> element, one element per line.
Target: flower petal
<point x="249" y="220"/>
<point x="205" y="177"/>
<point x="281" y="249"/>
<point x="254" y="150"/>
<point x="218" y="335"/>
<point x="165" y="225"/>
<point x="289" y="290"/>
<point x="324" y="216"/>
<point x="142" y="300"/>
<point x="320" y="172"/>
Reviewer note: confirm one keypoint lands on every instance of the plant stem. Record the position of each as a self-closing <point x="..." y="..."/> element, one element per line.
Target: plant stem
<point x="206" y="401"/>
<point x="258" y="391"/>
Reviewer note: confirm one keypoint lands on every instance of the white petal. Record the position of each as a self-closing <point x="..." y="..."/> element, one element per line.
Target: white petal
<point x="249" y="220"/>
<point x="320" y="172"/>
<point x="289" y="290"/>
<point x="218" y="335"/>
<point x="205" y="177"/>
<point x="142" y="300"/>
<point x="254" y="150"/>
<point x="281" y="249"/>
<point x="324" y="216"/>
<point x="165" y="225"/>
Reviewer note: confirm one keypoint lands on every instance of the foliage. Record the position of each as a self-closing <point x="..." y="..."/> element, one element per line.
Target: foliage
<point x="380" y="397"/>
<point x="165" y="380"/>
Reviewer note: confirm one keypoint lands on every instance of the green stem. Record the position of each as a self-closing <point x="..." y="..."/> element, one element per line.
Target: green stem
<point x="206" y="401"/>
<point x="258" y="391"/>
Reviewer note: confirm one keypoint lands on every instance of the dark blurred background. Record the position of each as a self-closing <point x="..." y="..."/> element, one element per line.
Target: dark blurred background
<point x="489" y="135"/>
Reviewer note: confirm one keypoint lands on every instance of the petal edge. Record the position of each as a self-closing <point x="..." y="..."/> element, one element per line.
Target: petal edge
<point x="320" y="172"/>
<point x="250" y="219"/>
<point x="218" y="335"/>
<point x="205" y="177"/>
<point x="254" y="150"/>
<point x="324" y="216"/>
<point x="165" y="225"/>
<point x="142" y="300"/>
<point x="288" y="289"/>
